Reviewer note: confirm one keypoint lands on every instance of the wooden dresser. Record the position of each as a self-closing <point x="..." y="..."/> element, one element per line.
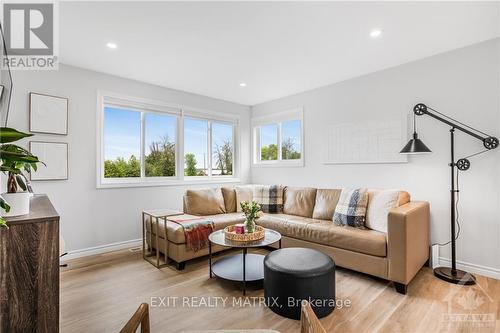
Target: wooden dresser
<point x="29" y="270"/>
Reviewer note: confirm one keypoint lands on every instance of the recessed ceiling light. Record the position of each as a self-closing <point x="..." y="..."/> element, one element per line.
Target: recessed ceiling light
<point x="375" y="33"/>
<point x="111" y="45"/>
<point x="243" y="84"/>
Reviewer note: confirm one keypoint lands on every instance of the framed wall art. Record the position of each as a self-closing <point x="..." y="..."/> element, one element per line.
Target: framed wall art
<point x="48" y="114"/>
<point x="55" y="157"/>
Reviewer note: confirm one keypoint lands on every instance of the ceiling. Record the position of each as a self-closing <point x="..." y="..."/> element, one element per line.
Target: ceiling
<point x="276" y="48"/>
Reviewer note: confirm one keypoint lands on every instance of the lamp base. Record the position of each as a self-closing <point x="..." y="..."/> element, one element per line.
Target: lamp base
<point x="458" y="276"/>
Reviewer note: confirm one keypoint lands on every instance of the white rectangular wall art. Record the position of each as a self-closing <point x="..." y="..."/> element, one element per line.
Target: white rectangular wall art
<point x="55" y="157"/>
<point x="366" y="142"/>
<point x="48" y="114"/>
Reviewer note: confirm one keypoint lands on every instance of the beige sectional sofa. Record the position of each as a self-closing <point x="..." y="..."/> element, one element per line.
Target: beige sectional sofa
<point x="396" y="255"/>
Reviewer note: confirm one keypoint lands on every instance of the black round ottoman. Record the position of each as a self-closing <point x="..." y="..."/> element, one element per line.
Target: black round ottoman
<point x="294" y="274"/>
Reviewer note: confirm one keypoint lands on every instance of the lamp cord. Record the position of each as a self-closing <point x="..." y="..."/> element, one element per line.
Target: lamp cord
<point x="478" y="153"/>
<point x="457" y="214"/>
<point x="457" y="196"/>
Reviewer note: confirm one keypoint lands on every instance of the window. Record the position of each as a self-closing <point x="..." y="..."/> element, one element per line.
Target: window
<point x="122" y="143"/>
<point x="290" y="140"/>
<point x="203" y="159"/>
<point x="195" y="147"/>
<point x="278" y="139"/>
<point x="141" y="143"/>
<point x="222" y="149"/>
<point x="159" y="136"/>
<point x="269" y="142"/>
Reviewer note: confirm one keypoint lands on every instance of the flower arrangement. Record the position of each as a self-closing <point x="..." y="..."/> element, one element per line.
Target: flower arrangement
<point x="252" y="212"/>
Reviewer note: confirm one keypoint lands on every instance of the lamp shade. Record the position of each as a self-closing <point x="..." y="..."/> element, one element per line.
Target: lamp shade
<point x="415" y="146"/>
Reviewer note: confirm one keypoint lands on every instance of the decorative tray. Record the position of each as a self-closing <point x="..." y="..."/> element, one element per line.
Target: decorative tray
<point x="259" y="233"/>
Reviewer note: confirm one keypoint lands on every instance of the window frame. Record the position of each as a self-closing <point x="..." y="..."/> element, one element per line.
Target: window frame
<point x="210" y="149"/>
<point x="277" y="118"/>
<point x="180" y="112"/>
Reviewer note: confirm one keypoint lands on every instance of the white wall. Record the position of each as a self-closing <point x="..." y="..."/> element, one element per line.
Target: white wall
<point x="463" y="84"/>
<point x="93" y="217"/>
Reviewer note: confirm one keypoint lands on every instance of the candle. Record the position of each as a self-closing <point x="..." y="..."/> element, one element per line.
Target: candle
<point x="239" y="228"/>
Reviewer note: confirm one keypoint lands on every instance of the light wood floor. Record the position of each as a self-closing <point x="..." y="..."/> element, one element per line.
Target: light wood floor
<point x="100" y="293"/>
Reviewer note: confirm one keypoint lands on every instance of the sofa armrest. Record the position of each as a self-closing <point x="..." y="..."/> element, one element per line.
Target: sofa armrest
<point x="407" y="240"/>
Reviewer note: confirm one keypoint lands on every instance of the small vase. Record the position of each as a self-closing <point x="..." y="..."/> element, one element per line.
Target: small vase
<point x="250" y="226"/>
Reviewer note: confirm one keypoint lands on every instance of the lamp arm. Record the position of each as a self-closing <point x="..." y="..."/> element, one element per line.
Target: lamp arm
<point x="489" y="142"/>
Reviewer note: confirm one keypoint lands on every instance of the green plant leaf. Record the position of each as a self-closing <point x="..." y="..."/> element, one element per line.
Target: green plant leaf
<point x="4" y="204"/>
<point x="15" y="157"/>
<point x="15" y="148"/>
<point x="3" y="223"/>
<point x="8" y="134"/>
<point x="6" y="168"/>
<point x="21" y="182"/>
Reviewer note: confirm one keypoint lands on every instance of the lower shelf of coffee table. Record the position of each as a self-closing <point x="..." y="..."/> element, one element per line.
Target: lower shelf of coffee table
<point x="231" y="267"/>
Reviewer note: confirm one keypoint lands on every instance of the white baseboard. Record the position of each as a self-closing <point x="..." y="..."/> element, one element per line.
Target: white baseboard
<point x="102" y="249"/>
<point x="473" y="268"/>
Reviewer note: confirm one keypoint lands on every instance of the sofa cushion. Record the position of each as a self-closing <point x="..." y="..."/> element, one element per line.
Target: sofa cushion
<point x="175" y="232"/>
<point x="326" y="233"/>
<point x="207" y="201"/>
<point x="351" y="208"/>
<point x="299" y="201"/>
<point x="354" y="239"/>
<point x="243" y="193"/>
<point x="326" y="201"/>
<point x="229" y="199"/>
<point x="269" y="197"/>
<point x="285" y="224"/>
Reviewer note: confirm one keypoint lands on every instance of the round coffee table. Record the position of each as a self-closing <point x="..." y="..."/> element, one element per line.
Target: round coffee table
<point x="240" y="267"/>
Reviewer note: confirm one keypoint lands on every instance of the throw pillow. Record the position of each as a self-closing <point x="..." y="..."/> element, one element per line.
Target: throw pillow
<point x="229" y="199"/>
<point x="243" y="193"/>
<point x="351" y="208"/>
<point x="299" y="201"/>
<point x="380" y="202"/>
<point x="270" y="198"/>
<point x="205" y="201"/>
<point x="326" y="201"/>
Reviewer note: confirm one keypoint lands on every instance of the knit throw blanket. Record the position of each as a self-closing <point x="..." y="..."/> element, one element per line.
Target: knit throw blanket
<point x="196" y="230"/>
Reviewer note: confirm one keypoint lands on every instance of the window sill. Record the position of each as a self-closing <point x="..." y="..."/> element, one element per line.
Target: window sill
<point x="123" y="183"/>
<point x="279" y="164"/>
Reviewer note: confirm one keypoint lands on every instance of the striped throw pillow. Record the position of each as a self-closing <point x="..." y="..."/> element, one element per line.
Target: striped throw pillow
<point x="351" y="208"/>
<point x="269" y="197"/>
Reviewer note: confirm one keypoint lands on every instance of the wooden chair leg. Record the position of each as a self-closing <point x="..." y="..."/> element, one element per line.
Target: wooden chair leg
<point x="140" y="317"/>
<point x="309" y="322"/>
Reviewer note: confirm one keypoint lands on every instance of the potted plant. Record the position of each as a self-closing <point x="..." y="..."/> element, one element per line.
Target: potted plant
<point x="15" y="161"/>
<point x="252" y="212"/>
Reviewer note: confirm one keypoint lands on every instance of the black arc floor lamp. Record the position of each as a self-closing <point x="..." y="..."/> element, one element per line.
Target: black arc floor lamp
<point x="416" y="146"/>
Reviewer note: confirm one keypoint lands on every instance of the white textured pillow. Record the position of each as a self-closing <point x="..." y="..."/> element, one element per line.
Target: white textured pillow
<point x="243" y="193"/>
<point x="380" y="202"/>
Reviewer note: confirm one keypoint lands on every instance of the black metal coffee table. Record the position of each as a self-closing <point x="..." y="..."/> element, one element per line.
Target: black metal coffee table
<point x="242" y="267"/>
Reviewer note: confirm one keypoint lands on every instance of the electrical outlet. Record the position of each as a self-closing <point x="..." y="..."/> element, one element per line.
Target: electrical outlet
<point x="135" y="249"/>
